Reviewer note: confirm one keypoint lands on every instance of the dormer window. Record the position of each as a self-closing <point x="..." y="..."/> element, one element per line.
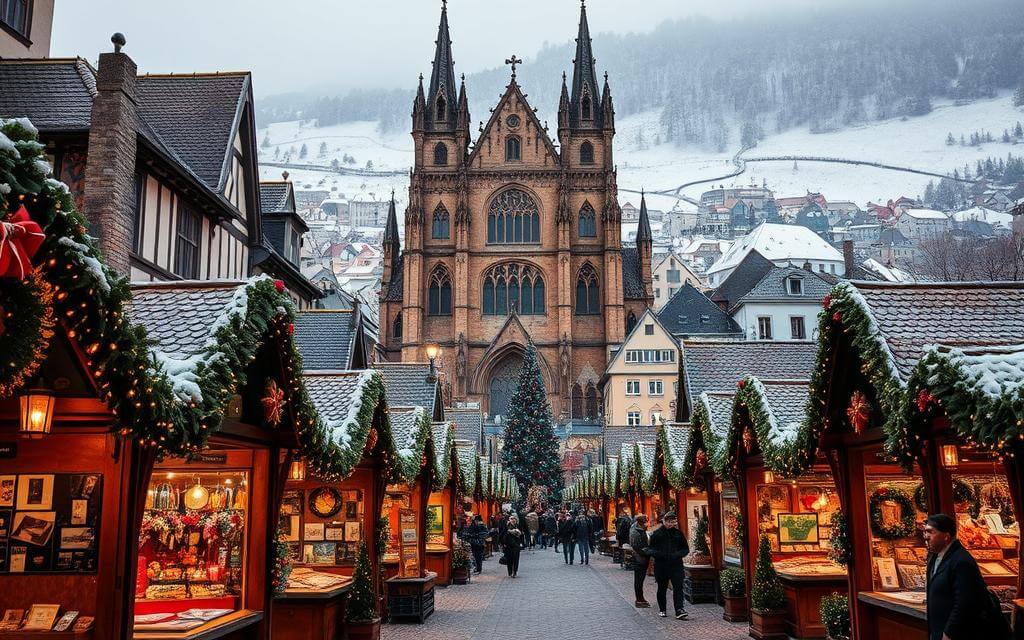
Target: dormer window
<point x="795" y="286"/>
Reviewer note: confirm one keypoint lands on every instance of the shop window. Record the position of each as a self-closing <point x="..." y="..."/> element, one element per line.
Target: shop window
<point x="322" y="525"/>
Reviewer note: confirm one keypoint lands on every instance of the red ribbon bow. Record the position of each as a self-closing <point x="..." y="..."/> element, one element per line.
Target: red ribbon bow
<point x="20" y="238"/>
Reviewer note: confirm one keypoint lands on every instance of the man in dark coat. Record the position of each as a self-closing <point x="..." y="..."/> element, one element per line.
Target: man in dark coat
<point x="639" y="541"/>
<point x="668" y="547"/>
<point x="597" y="526"/>
<point x="476" y="535"/>
<point x="512" y="543"/>
<point x="959" y="605"/>
<point x="566" y="533"/>
<point x="550" y="528"/>
<point x="583" y="532"/>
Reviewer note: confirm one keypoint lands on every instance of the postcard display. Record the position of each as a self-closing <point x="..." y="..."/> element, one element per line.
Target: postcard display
<point x="323" y="525"/>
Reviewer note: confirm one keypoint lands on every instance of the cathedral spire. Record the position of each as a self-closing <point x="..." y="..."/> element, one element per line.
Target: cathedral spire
<point x="441" y="98"/>
<point x="585" y="110"/>
<point x="563" y="105"/>
<point x="463" y="108"/>
<point x="391" y="243"/>
<point x="643" y="229"/>
<point x="419" y="108"/>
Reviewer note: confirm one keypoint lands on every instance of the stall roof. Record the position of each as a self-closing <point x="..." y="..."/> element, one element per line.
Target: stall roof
<point x="716" y="366"/>
<point x="675" y="443"/>
<point x="441" y="434"/>
<point x="468" y="462"/>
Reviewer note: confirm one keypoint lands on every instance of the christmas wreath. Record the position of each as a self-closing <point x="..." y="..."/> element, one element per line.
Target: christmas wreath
<point x="26" y="326"/>
<point x="963" y="493"/>
<point x="901" y="529"/>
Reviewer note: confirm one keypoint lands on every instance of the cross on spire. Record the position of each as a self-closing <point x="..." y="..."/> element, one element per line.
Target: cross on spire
<point x="513" y="61"/>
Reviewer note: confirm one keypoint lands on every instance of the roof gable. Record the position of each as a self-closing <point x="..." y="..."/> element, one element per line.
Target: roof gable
<point x="634" y="336"/>
<point x="690" y="313"/>
<point x="536" y="149"/>
<point x="744" y="277"/>
<point x="715" y="366"/>
<point x="56" y="95"/>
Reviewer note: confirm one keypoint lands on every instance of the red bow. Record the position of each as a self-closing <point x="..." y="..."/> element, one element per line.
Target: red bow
<point x="20" y="238"/>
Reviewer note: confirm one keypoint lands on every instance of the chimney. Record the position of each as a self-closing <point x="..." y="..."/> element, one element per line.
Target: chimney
<point x="848" y="260"/>
<point x="110" y="168"/>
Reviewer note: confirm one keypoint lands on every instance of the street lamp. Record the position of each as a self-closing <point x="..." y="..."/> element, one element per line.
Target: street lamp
<point x="37" y="411"/>
<point x="432" y="349"/>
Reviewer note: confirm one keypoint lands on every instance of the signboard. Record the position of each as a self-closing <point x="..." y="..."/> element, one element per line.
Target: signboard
<point x="409" y="544"/>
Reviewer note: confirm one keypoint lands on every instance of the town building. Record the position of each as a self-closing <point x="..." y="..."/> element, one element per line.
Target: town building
<point x="784" y="305"/>
<point x="689" y="314"/>
<point x="278" y="255"/>
<point x="25" y="28"/>
<point x="669" y="275"/>
<point x="919" y="224"/>
<point x="782" y="245"/>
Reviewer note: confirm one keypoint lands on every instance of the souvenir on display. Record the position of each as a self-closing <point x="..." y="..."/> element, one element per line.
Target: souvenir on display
<point x="325" y="502"/>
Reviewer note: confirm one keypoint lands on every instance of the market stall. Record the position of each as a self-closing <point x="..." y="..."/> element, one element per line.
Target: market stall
<point x="653" y="489"/>
<point x="793" y="512"/>
<point x="629" y="488"/>
<point x="442" y="504"/>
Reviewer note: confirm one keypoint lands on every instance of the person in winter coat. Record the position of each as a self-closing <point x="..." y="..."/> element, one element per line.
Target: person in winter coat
<point x="549" y="527"/>
<point x="622" y="526"/>
<point x="668" y="547"/>
<point x="639" y="541"/>
<point x="566" y="535"/>
<point x="512" y="543"/>
<point x="533" y="526"/>
<point x="597" y="524"/>
<point x="476" y="535"/>
<point x="583" y="532"/>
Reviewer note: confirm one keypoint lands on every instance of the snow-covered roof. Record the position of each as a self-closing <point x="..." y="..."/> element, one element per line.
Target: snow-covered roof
<point x="925" y="214"/>
<point x="889" y="274"/>
<point x="778" y="242"/>
<point x="984" y="214"/>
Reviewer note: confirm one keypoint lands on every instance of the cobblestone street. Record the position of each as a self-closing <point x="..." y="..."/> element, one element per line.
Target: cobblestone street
<point x="549" y="595"/>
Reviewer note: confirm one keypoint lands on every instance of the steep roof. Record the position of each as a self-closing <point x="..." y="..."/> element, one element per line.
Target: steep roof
<point x="778" y="242"/>
<point x="408" y="384"/>
<point x="442" y="79"/>
<point x="743" y="278"/>
<point x="615" y="436"/>
<point x="690" y="313"/>
<point x="584" y="77"/>
<point x="712" y="366"/>
<point x="274" y="197"/>
<point x="774" y="287"/>
<point x="325" y="339"/>
<point x="632" y="275"/>
<point x="468" y="423"/>
<point x="56" y="95"/>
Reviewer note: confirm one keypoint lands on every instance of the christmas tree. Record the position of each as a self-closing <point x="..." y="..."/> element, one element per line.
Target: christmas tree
<point x="767" y="594"/>
<point x="362" y="605"/>
<point x="531" y="446"/>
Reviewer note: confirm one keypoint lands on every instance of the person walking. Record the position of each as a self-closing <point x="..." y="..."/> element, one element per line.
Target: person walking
<point x="548" y="529"/>
<point x="566" y="535"/>
<point x="668" y="547"/>
<point x="583" y="532"/>
<point x="512" y="544"/>
<point x="640" y="542"/>
<point x="597" y="526"/>
<point x="476" y="535"/>
<point x="533" y="527"/>
<point x="958" y="601"/>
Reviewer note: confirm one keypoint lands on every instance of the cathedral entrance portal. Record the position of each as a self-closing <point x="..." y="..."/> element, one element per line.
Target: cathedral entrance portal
<point x="504" y="378"/>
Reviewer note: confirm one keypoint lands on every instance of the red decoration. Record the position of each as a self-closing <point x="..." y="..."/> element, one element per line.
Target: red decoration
<point x="273" y="403"/>
<point x="291" y="329"/>
<point x="859" y="411"/>
<point x="701" y="460"/>
<point x="836" y="317"/>
<point x="279" y="285"/>
<point x="741" y="384"/>
<point x="748" y="439"/>
<point x="924" y="398"/>
<point x="827" y="302"/>
<point x="371" y="439"/>
<point x="883" y="491"/>
<point x="20" y="239"/>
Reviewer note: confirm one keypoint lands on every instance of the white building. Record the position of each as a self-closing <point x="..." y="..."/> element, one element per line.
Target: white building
<point x="784" y="245"/>
<point x="784" y="305"/>
<point x="669" y="275"/>
<point x="917" y="224"/>
<point x="1000" y="220"/>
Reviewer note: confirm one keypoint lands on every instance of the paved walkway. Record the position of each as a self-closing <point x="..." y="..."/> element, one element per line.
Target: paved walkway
<point x="549" y="595"/>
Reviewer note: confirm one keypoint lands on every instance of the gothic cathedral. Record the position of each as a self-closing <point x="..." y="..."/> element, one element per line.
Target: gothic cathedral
<point x="510" y="238"/>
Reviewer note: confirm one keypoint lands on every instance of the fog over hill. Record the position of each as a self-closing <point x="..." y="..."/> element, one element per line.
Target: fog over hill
<point x="712" y="80"/>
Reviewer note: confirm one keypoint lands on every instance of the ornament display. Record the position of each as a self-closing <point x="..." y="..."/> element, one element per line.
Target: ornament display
<point x="859" y="411"/>
<point x="20" y="239"/>
<point x="901" y="524"/>
<point x="924" y="399"/>
<point x="325" y="502"/>
<point x="273" y="403"/>
<point x="700" y="461"/>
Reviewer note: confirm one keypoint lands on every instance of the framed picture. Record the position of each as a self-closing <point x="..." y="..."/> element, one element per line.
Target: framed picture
<point x="5" y="523"/>
<point x="323" y="553"/>
<point x="313" y="531"/>
<point x="291" y="528"/>
<point x="79" y="511"/>
<point x="77" y="537"/>
<point x="7" y="491"/>
<point x="41" y="617"/>
<point x="12" y="619"/>
<point x="435" y="519"/>
<point x="291" y="503"/>
<point x="84" y="486"/>
<point x="351" y="510"/>
<point x="798" y="528"/>
<point x="35" y="492"/>
<point x="334" y="532"/>
<point x="352" y="532"/>
<point x="66" y="621"/>
<point x="33" y="528"/>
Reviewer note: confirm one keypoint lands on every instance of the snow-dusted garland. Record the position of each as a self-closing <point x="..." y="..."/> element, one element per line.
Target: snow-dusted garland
<point x="26" y="326"/>
<point x="776" y="441"/>
<point x="706" y="438"/>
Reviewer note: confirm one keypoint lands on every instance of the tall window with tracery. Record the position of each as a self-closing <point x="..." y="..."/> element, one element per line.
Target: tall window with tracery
<point x="588" y="293"/>
<point x="439" y="229"/>
<point x="586" y="153"/>
<point x="513" y="149"/>
<point x="513" y="218"/>
<point x="442" y="109"/>
<point x="592" y="402"/>
<point x="511" y="286"/>
<point x="439" y="295"/>
<point x="587" y="221"/>
<point x="397" y="330"/>
<point x="577" y="401"/>
<point x="440" y="154"/>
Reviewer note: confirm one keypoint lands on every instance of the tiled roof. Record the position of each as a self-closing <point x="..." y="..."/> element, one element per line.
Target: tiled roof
<point x="774" y="287"/>
<point x="195" y="115"/>
<point x="441" y="435"/>
<point x="718" y="366"/>
<point x="615" y="436"/>
<point x="325" y="339"/>
<point x="397" y="281"/>
<point x="466" y="453"/>
<point x="407" y="385"/>
<point x="56" y="95"/>
<point x="720" y="411"/>
<point x="405" y="423"/>
<point x="747" y="274"/>
<point x="646" y="451"/>
<point x="788" y="401"/>
<point x="333" y="394"/>
<point x="468" y="423"/>
<point x="611" y="475"/>
<point x="274" y="197"/>
<point x="180" y="317"/>
<point x="632" y="274"/>
<point x="911" y="316"/>
<point x="677" y="439"/>
<point x="690" y="313"/>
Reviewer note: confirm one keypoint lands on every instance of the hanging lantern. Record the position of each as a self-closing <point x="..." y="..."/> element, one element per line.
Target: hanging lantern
<point x="950" y="456"/>
<point x="769" y="477"/>
<point x="297" y="471"/>
<point x="859" y="412"/>
<point x="37" y="411"/>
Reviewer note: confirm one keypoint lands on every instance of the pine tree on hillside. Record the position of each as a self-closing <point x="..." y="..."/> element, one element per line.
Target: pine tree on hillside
<point x="1018" y="96"/>
<point x="531" y="446"/>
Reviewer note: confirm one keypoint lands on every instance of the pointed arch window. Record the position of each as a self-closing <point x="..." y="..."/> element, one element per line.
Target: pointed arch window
<point x="586" y="153"/>
<point x="440" y="155"/>
<point x="439" y="295"/>
<point x="630" y="322"/>
<point x="586" y="104"/>
<point x="591" y="400"/>
<point x="588" y="294"/>
<point x="513" y="218"/>
<point x="441" y="113"/>
<point x="515" y="286"/>
<point x="439" y="226"/>
<point x="587" y="221"/>
<point x="397" y="329"/>
<point x="513" y="149"/>
<point x="577" y="401"/>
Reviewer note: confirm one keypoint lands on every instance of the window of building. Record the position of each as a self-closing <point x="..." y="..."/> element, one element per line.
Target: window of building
<point x="657" y="293"/>
<point x="439" y="225"/>
<point x="513" y="149"/>
<point x="672" y="291"/>
<point x="513" y="286"/>
<point x="633" y="419"/>
<point x="673" y="275"/>
<point x="439" y="296"/>
<point x="648" y="329"/>
<point x="796" y="287"/>
<point x="587" y="221"/>
<point x="632" y="387"/>
<point x="630" y="322"/>
<point x="577" y="401"/>
<point x="294" y="245"/>
<point x="138" y="205"/>
<point x="186" y="250"/>
<point x="764" y="328"/>
<point x="655" y="418"/>
<point x="587" y="292"/>
<point x="397" y="330"/>
<point x="440" y="154"/>
<point x="655" y="388"/>
<point x="586" y="153"/>
<point x="796" y="328"/>
<point x="592" y="402"/>
<point x="15" y="14"/>
<point x="513" y="218"/>
<point x="442" y="109"/>
<point x="649" y="356"/>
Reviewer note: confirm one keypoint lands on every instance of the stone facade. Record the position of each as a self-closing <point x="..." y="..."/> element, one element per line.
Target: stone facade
<point x="458" y="198"/>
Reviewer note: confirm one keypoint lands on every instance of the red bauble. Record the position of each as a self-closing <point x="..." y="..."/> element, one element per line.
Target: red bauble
<point x="291" y="329"/>
<point x="741" y="384"/>
<point x="279" y="285"/>
<point x="836" y="317"/>
<point x="924" y="398"/>
<point x="827" y="302"/>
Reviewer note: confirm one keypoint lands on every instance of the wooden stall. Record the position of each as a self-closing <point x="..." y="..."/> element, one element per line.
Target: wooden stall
<point x="793" y="511"/>
<point x="442" y="504"/>
<point x="652" y="485"/>
<point x="874" y="398"/>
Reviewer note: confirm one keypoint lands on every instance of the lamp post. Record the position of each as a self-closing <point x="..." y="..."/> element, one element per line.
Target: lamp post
<point x="37" y="411"/>
<point x="432" y="349"/>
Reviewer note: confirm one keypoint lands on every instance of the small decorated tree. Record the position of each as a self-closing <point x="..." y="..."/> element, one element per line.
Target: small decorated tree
<point x="700" y="553"/>
<point x="767" y="594"/>
<point x="734" y="584"/>
<point x="362" y="605"/>
<point x="835" y="615"/>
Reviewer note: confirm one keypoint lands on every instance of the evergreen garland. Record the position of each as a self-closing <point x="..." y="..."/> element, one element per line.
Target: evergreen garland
<point x="673" y="464"/>
<point x="362" y="605"/>
<point x="896" y="531"/>
<point x="839" y="539"/>
<point x="703" y="436"/>
<point x="766" y="595"/>
<point x="531" y="447"/>
<point x="779" y="455"/>
<point x="26" y="327"/>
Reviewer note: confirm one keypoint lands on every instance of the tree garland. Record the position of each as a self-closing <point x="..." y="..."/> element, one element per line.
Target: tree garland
<point x="839" y="539"/>
<point x="26" y="327"/>
<point x="673" y="465"/>
<point x="779" y="455"/>
<point x="962" y="493"/>
<point x="907" y="520"/>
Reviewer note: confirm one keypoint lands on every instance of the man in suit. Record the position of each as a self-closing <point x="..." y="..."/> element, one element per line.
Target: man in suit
<point x="959" y="606"/>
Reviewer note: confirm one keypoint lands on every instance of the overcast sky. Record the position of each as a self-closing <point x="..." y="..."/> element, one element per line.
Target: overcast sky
<point x="342" y="44"/>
